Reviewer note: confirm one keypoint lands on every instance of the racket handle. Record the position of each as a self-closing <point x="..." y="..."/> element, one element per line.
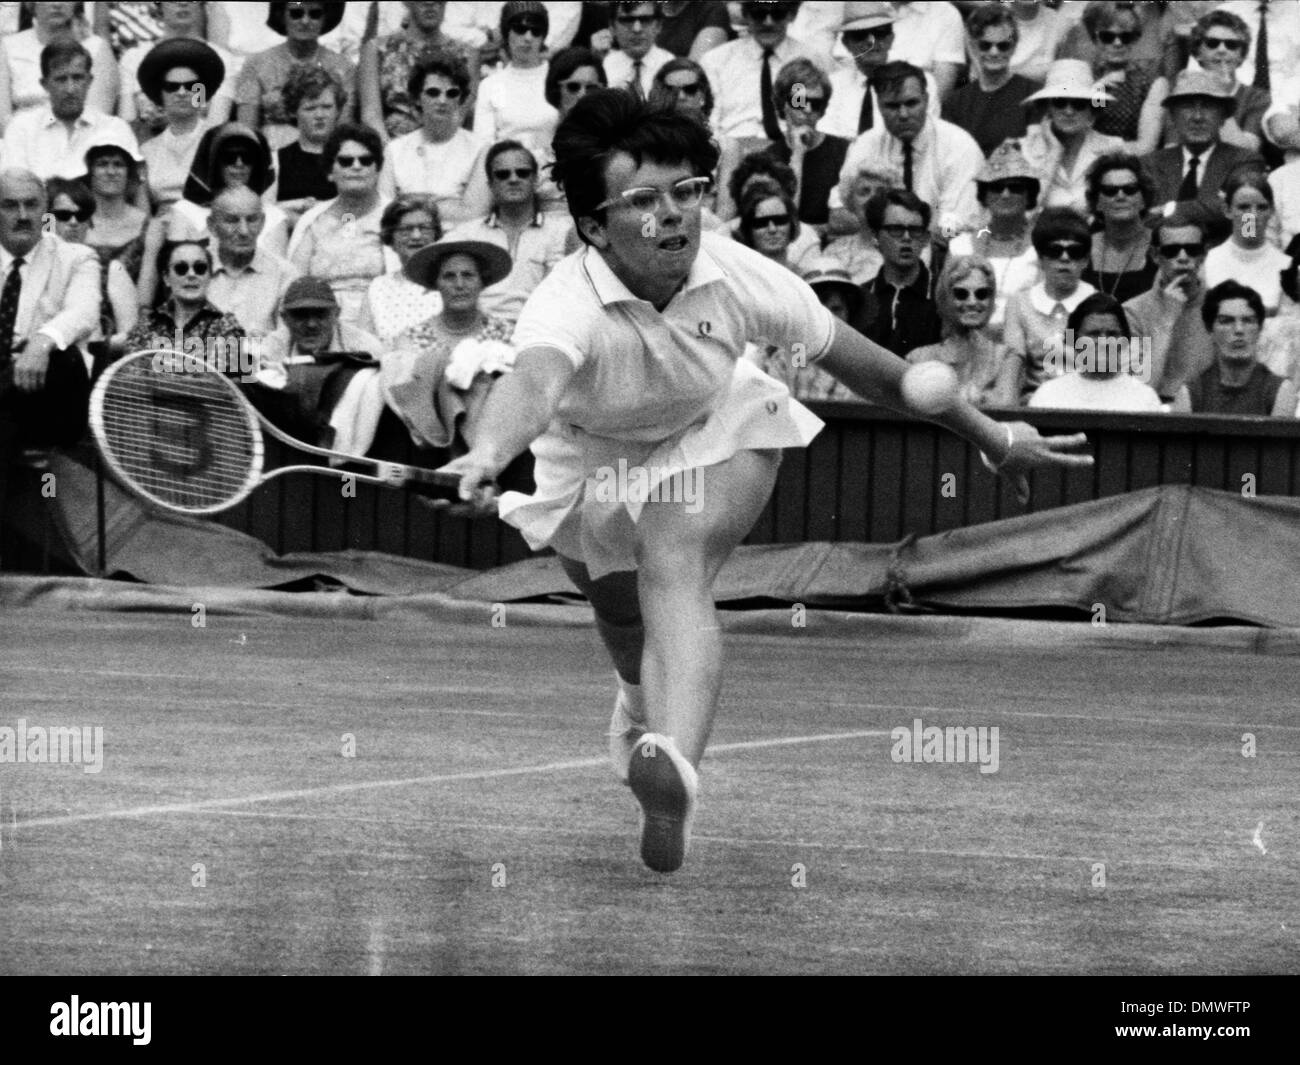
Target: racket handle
<point x="395" y="473"/>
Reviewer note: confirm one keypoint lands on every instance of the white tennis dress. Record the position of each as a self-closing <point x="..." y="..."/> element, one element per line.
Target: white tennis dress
<point x="661" y="391"/>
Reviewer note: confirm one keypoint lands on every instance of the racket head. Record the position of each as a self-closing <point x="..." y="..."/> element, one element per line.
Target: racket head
<point x="177" y="433"/>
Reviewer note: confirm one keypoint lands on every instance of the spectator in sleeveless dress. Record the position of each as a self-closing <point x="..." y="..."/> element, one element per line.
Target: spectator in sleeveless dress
<point x="1119" y="195"/>
<point x="316" y="100"/>
<point x="988" y="106"/>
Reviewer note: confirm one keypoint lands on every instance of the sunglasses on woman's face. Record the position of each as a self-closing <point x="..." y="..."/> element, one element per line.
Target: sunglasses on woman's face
<point x="868" y="38"/>
<point x="961" y="295"/>
<point x="349" y="161"/>
<point x="528" y="26"/>
<point x="584" y="87"/>
<point x="1117" y="36"/>
<point x="181" y="268"/>
<point x="1068" y="105"/>
<point x="435" y="93"/>
<point x="186" y="87"/>
<point x="1110" y="191"/>
<point x="997" y="46"/>
<point x="815" y="104"/>
<point x="316" y="14"/>
<point x="236" y="158"/>
<point x="1067" y="250"/>
<point x="61" y="215"/>
<point x="1015" y="188"/>
<point x="691" y="88"/>
<point x="505" y="173"/>
<point x="780" y="221"/>
<point x="1232" y="44"/>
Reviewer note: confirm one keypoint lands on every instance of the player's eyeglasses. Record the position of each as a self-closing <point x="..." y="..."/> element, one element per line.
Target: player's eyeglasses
<point x="1117" y="36"/>
<point x="316" y="14"/>
<point x="69" y="216"/>
<point x="573" y="88"/>
<point x="997" y="46"/>
<point x="775" y="221"/>
<point x="1172" y="251"/>
<point x="901" y="232"/>
<point x="961" y="295"/>
<point x="1131" y="189"/>
<point x="684" y="195"/>
<point x="349" y="161"/>
<point x="199" y="266"/>
<point x="186" y="87"/>
<point x="505" y="173"/>
<point x="434" y="93"/>
<point x="1232" y="44"/>
<point x="1071" y="250"/>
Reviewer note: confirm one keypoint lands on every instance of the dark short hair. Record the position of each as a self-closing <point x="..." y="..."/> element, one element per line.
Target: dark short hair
<point x="132" y="167"/>
<point x="604" y="124"/>
<point x="880" y="202"/>
<point x="986" y="16"/>
<point x="448" y="64"/>
<point x="1108" y="164"/>
<point x="761" y="163"/>
<point x="798" y="71"/>
<point x="164" y="260"/>
<point x="750" y="204"/>
<point x="60" y="53"/>
<point x="1247" y="176"/>
<point x="1223" y="19"/>
<point x="894" y="75"/>
<point x="1098" y="303"/>
<point x="659" y="87"/>
<point x="1230" y="290"/>
<point x="353" y="131"/>
<point x="306" y="83"/>
<point x="563" y="64"/>
<point x="403" y="205"/>
<point x="1059" y="223"/>
<point x="1101" y="13"/>
<point x="632" y="5"/>
<point x="500" y="148"/>
<point x="74" y="189"/>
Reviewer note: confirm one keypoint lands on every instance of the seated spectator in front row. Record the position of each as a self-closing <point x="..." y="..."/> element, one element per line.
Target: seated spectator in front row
<point x="248" y="281"/>
<point x="1096" y="376"/>
<point x="535" y="239"/>
<point x="393" y="301"/>
<point x="898" y="311"/>
<point x="1236" y="383"/>
<point x="1170" y="311"/>
<point x="965" y="296"/>
<point x="1036" y="318"/>
<point x="184" y="320"/>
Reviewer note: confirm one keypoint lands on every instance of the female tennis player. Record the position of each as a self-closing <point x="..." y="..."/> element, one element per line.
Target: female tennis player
<point x="656" y="444"/>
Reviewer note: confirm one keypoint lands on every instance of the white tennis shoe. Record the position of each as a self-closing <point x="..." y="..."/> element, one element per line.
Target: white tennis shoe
<point x="665" y="784"/>
<point x="624" y="731"/>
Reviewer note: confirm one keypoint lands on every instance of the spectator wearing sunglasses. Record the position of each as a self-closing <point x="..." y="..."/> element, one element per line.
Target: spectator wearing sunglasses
<point x="184" y="319"/>
<point x="898" y="309"/>
<point x="535" y="239"/>
<point x="512" y="101"/>
<point x="1170" y="311"/>
<point x="761" y="168"/>
<point x="1134" y="115"/>
<point x="72" y="206"/>
<point x="743" y="71"/>
<point x="1036" y="318"/>
<point x="636" y="60"/>
<point x="1063" y="146"/>
<point x="341" y="240"/>
<point x="769" y="223"/>
<point x="259" y="92"/>
<point x="1119" y="195"/>
<point x="965" y="295"/>
<point x="441" y="158"/>
<point x="1218" y="44"/>
<point x="140" y="101"/>
<point x="384" y="75"/>
<point x="572" y="74"/>
<point x="988" y="106"/>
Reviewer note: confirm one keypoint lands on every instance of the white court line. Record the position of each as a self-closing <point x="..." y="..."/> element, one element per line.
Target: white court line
<point x="1101" y="717"/>
<point x="369" y="785"/>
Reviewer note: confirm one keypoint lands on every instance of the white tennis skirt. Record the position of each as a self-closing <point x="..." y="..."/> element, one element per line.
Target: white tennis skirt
<point x="591" y="489"/>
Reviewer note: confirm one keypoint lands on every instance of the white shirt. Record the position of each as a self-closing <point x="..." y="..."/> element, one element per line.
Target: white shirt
<point x="1285" y="182"/>
<point x="735" y="73"/>
<point x="945" y="160"/>
<point x="512" y="105"/>
<point x="22" y="54"/>
<point x="77" y="313"/>
<point x="1283" y="38"/>
<point x="1074" y="391"/>
<point x="451" y="172"/>
<point x="847" y="86"/>
<point x="619" y="68"/>
<point x="41" y="143"/>
<point x="928" y="33"/>
<point x="168" y="158"/>
<point x="1260" y="268"/>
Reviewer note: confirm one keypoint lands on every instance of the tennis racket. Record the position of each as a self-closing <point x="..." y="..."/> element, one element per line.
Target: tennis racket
<point x="185" y="439"/>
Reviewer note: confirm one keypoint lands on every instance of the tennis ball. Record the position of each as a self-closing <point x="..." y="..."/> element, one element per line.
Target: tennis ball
<point x="930" y="387"/>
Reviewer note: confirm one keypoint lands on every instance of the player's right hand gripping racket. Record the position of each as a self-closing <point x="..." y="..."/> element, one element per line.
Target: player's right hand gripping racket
<point x="184" y="438"/>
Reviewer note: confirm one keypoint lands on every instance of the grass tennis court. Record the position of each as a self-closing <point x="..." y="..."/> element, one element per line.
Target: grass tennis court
<point x="479" y="755"/>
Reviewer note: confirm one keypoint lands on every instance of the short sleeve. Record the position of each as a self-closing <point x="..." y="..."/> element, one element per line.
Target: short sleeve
<point x="562" y="313"/>
<point x="780" y="306"/>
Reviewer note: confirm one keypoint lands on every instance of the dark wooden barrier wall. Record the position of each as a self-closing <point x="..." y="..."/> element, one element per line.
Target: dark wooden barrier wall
<point x="871" y="475"/>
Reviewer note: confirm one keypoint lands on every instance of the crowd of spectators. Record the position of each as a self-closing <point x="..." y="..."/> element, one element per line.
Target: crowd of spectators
<point x="1062" y="201"/>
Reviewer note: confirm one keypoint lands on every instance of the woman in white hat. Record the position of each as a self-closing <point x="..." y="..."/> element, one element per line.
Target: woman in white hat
<point x="117" y="230"/>
<point x="1064" y="144"/>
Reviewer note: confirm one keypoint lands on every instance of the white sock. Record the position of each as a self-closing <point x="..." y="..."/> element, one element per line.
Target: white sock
<point x="633" y="700"/>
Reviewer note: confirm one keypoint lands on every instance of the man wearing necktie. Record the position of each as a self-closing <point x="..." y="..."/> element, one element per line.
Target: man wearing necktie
<point x="637" y="59"/>
<point x="49" y="302"/>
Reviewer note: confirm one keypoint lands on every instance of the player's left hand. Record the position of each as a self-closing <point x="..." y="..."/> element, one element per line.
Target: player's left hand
<point x="1030" y="450"/>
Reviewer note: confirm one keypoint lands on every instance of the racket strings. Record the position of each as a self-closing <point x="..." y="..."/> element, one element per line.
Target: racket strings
<point x="182" y="438"/>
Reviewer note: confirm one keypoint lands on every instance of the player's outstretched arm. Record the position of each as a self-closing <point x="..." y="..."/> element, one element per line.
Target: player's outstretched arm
<point x="518" y="410"/>
<point x="1010" y="448"/>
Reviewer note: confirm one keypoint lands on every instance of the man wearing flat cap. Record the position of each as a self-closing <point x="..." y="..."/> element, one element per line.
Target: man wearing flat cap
<point x="1200" y="163"/>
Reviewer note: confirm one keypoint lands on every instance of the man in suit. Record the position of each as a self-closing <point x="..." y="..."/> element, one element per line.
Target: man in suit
<point x="1199" y="165"/>
<point x="49" y="303"/>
